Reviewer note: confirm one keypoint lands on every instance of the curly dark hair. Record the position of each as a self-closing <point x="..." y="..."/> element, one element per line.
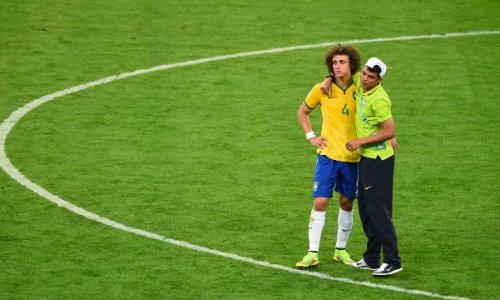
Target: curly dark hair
<point x="351" y="52"/>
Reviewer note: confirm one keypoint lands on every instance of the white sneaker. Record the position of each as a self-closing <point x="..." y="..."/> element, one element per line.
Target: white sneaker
<point x="361" y="264"/>
<point x="386" y="270"/>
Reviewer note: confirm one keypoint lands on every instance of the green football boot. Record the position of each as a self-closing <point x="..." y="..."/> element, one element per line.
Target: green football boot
<point x="342" y="256"/>
<point x="309" y="261"/>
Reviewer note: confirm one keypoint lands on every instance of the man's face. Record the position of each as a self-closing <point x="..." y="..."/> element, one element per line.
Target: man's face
<point x="369" y="80"/>
<point x="341" y="65"/>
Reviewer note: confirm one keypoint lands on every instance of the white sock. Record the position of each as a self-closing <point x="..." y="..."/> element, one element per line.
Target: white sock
<point x="316" y="223"/>
<point x="344" y="230"/>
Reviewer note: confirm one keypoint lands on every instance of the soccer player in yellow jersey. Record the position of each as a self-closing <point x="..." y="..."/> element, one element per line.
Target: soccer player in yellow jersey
<point x="336" y="167"/>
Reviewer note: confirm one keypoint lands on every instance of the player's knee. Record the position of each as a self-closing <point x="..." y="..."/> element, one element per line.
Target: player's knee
<point x="345" y="203"/>
<point x="320" y="204"/>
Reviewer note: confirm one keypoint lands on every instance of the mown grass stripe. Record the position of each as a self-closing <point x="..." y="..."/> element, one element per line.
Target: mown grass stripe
<point x="9" y="123"/>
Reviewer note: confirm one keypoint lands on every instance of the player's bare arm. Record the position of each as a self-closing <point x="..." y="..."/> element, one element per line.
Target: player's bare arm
<point x="394" y="144"/>
<point x="385" y="133"/>
<point x="305" y="122"/>
<point x="326" y="86"/>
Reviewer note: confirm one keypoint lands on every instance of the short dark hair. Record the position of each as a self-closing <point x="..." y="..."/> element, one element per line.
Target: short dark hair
<point x="375" y="69"/>
<point x="351" y="52"/>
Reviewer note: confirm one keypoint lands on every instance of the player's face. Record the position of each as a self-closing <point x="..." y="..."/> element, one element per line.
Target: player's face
<point x="369" y="80"/>
<point x="341" y="66"/>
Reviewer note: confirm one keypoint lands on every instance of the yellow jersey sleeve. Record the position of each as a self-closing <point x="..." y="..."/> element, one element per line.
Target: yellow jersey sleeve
<point x="313" y="99"/>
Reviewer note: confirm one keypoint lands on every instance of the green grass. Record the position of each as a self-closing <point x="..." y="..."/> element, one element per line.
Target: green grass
<point x="212" y="154"/>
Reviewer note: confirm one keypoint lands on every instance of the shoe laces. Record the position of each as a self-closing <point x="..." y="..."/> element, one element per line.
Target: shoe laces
<point x="342" y="253"/>
<point x="382" y="267"/>
<point x="310" y="257"/>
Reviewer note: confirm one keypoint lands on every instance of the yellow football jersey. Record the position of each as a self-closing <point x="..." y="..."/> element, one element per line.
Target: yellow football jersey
<point x="338" y="112"/>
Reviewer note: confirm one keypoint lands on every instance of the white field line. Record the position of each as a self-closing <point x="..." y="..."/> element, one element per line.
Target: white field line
<point x="9" y="123"/>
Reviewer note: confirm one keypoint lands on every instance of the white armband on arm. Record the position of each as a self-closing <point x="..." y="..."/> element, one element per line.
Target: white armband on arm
<point x="310" y="135"/>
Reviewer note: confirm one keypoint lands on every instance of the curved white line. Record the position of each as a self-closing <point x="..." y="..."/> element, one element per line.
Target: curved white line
<point x="9" y="123"/>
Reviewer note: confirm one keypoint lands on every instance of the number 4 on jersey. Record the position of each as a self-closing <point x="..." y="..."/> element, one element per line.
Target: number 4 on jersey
<point x="345" y="110"/>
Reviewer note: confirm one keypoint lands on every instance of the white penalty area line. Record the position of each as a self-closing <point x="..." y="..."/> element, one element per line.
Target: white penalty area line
<point x="9" y="123"/>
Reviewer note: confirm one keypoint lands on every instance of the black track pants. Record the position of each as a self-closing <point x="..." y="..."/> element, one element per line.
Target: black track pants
<point x="375" y="186"/>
